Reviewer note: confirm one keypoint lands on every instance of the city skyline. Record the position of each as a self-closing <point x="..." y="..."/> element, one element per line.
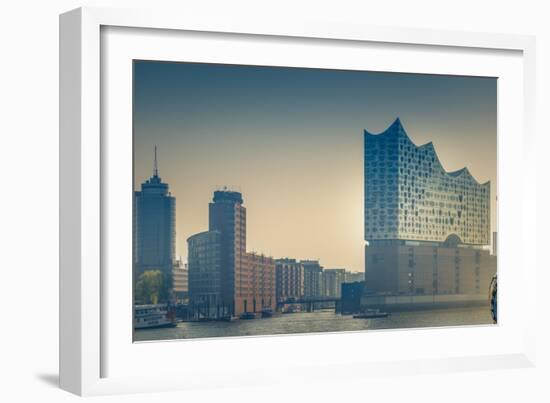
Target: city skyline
<point x="306" y="124"/>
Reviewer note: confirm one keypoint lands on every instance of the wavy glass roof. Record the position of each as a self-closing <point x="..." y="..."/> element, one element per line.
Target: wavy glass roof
<point x="397" y="129"/>
<point x="409" y="195"/>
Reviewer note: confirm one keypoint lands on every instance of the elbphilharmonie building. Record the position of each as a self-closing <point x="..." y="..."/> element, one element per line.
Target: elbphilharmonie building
<point x="427" y="230"/>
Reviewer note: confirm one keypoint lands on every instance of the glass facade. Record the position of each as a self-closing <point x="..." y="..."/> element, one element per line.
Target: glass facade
<point x="205" y="276"/>
<point x="410" y="196"/>
<point x="154" y="227"/>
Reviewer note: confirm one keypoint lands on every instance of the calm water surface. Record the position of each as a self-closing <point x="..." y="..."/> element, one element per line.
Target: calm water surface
<point x="322" y="321"/>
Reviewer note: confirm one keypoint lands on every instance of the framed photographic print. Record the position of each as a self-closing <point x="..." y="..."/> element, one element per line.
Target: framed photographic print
<point x="283" y="247"/>
<point x="250" y="192"/>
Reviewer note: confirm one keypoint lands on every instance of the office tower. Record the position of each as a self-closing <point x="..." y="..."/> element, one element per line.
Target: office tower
<point x="154" y="227"/>
<point x="228" y="216"/>
<point x="427" y="230"/>
<point x="205" y="274"/>
<point x="223" y="278"/>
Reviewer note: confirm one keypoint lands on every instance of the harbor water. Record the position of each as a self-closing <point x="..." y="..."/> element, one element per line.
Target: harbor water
<point x="320" y="321"/>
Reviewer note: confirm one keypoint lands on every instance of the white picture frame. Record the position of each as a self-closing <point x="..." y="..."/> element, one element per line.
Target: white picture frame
<point x="92" y="356"/>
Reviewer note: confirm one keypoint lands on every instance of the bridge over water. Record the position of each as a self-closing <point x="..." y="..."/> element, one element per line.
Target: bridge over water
<point x="309" y="302"/>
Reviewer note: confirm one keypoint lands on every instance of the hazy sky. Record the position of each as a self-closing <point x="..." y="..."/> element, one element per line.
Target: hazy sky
<point x="291" y="140"/>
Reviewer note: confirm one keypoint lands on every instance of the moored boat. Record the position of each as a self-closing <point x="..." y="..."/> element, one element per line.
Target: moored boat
<point x="248" y="315"/>
<point x="292" y="308"/>
<point x="371" y="314"/>
<point x="154" y="316"/>
<point x="228" y="318"/>
<point x="269" y="313"/>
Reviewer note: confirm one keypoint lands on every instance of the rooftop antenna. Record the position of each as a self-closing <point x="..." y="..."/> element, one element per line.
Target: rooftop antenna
<point x="155" y="168"/>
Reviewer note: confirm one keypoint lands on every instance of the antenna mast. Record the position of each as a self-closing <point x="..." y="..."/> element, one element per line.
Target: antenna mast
<point x="155" y="168"/>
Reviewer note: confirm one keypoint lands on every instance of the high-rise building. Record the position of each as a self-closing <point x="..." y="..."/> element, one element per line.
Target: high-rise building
<point x="409" y="195"/>
<point x="154" y="226"/>
<point x="427" y="230"/>
<point x="289" y="279"/>
<point x="228" y="216"/>
<point x="313" y="278"/>
<point x="332" y="282"/>
<point x="205" y="274"/>
<point x="222" y="275"/>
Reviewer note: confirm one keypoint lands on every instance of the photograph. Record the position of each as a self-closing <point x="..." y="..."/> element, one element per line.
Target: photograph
<point x="272" y="200"/>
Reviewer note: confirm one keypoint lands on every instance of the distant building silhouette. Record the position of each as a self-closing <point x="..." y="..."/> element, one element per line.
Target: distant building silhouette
<point x="427" y="230"/>
<point x="154" y="226"/>
<point x="354" y="276"/>
<point x="180" y="281"/>
<point x="332" y="282"/>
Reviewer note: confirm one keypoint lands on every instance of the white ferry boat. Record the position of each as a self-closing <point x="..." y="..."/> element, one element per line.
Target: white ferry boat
<point x="153" y="316"/>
